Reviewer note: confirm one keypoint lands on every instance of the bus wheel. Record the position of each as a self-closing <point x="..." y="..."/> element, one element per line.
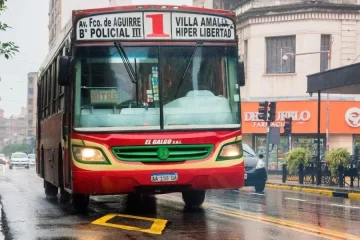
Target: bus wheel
<point x="80" y="202"/>
<point x="64" y="196"/>
<point x="193" y="198"/>
<point x="50" y="190"/>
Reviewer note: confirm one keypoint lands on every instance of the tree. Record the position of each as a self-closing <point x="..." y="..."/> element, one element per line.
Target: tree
<point x="11" y="148"/>
<point x="336" y="157"/>
<point x="8" y="49"/>
<point x="295" y="157"/>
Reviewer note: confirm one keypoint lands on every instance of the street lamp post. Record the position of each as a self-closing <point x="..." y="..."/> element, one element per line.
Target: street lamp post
<point x="318" y="175"/>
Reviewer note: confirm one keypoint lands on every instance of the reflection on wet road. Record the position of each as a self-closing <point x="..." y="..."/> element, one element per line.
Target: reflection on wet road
<point x="227" y="214"/>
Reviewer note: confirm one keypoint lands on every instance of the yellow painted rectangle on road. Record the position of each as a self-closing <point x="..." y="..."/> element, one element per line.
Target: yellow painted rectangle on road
<point x="156" y="228"/>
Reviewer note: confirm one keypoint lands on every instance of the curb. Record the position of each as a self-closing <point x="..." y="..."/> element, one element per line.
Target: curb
<point x="325" y="192"/>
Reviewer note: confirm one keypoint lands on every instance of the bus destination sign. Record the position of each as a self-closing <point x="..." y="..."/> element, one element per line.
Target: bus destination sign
<point x="155" y="25"/>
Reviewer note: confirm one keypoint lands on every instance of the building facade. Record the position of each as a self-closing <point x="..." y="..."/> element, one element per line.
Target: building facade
<point x="60" y="12"/>
<point x="2" y="128"/>
<point x="216" y="4"/>
<point x="13" y="130"/>
<point x="281" y="44"/>
<point x="344" y="127"/>
<point x="31" y="104"/>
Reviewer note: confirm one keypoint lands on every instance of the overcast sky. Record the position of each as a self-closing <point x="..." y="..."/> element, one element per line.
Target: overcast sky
<point x="30" y="32"/>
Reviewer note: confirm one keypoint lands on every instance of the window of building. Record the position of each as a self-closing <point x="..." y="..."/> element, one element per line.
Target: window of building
<point x="278" y="152"/>
<point x="276" y="48"/>
<point x="30" y="90"/>
<point x="31" y="80"/>
<point x="324" y="57"/>
<point x="30" y="101"/>
<point x="228" y="6"/>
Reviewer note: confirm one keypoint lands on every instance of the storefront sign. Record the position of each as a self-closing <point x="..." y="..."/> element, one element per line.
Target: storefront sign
<point x="352" y="117"/>
<point x="155" y="25"/>
<point x="342" y="117"/>
<point x="297" y="116"/>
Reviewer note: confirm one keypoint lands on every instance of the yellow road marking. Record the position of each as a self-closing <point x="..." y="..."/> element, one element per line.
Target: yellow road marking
<point x="355" y="196"/>
<point x="318" y="231"/>
<point x="156" y="228"/>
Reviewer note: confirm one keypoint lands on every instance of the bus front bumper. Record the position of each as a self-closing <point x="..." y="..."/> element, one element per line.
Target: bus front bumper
<point x="120" y="182"/>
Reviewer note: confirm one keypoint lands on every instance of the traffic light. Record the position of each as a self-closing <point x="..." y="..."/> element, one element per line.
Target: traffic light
<point x="272" y="112"/>
<point x="287" y="126"/>
<point x="263" y="110"/>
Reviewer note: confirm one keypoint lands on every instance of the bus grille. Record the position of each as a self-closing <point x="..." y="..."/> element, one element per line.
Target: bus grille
<point x="163" y="153"/>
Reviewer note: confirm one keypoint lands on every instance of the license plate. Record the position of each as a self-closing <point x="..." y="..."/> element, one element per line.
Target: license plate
<point x="245" y="176"/>
<point x="164" y="177"/>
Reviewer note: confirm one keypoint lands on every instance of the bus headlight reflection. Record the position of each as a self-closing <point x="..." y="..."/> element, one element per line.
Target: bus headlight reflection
<point x="88" y="154"/>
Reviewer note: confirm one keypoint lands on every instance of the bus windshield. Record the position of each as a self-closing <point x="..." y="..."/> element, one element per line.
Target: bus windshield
<point x="106" y="97"/>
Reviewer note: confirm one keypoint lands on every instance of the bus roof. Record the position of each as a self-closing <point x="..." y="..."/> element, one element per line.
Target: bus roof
<point x="80" y="13"/>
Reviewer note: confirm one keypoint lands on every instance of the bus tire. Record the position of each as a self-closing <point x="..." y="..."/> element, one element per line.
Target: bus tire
<point x="80" y="202"/>
<point x="50" y="189"/>
<point x="194" y="198"/>
<point x="64" y="196"/>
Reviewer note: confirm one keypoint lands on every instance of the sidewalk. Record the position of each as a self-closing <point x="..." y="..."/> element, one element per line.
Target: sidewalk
<point x="275" y="181"/>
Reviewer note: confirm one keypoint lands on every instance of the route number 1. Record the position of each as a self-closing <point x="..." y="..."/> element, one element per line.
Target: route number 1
<point x="157" y="25"/>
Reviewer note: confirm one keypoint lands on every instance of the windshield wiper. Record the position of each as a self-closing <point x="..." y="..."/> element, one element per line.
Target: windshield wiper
<point x="132" y="73"/>
<point x="187" y="66"/>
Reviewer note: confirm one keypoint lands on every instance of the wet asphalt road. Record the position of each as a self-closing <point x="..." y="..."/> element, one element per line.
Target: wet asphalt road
<point x="227" y="214"/>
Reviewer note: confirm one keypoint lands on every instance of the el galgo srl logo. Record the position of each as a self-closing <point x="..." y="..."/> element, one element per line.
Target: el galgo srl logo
<point x="352" y="117"/>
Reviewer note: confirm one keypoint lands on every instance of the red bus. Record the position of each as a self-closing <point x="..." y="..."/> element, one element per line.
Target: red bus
<point x="141" y="99"/>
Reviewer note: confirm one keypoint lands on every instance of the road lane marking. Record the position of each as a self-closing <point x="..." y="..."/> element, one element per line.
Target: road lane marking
<point x="156" y="228"/>
<point x="339" y="205"/>
<point x="252" y="193"/>
<point x="296" y="199"/>
<point x="316" y="231"/>
<point x="258" y="194"/>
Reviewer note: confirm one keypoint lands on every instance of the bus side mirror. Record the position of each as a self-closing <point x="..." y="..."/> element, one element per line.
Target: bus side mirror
<point x="64" y="70"/>
<point x="241" y="73"/>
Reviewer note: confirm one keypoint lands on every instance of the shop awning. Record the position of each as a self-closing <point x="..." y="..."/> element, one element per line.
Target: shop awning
<point x="343" y="80"/>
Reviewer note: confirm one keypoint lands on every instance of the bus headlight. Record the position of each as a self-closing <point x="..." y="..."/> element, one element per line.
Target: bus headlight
<point x="88" y="155"/>
<point x="230" y="151"/>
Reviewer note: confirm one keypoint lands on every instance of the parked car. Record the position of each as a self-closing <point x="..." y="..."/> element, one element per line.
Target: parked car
<point x="32" y="158"/>
<point x="2" y="159"/>
<point x="19" y="159"/>
<point x="256" y="174"/>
